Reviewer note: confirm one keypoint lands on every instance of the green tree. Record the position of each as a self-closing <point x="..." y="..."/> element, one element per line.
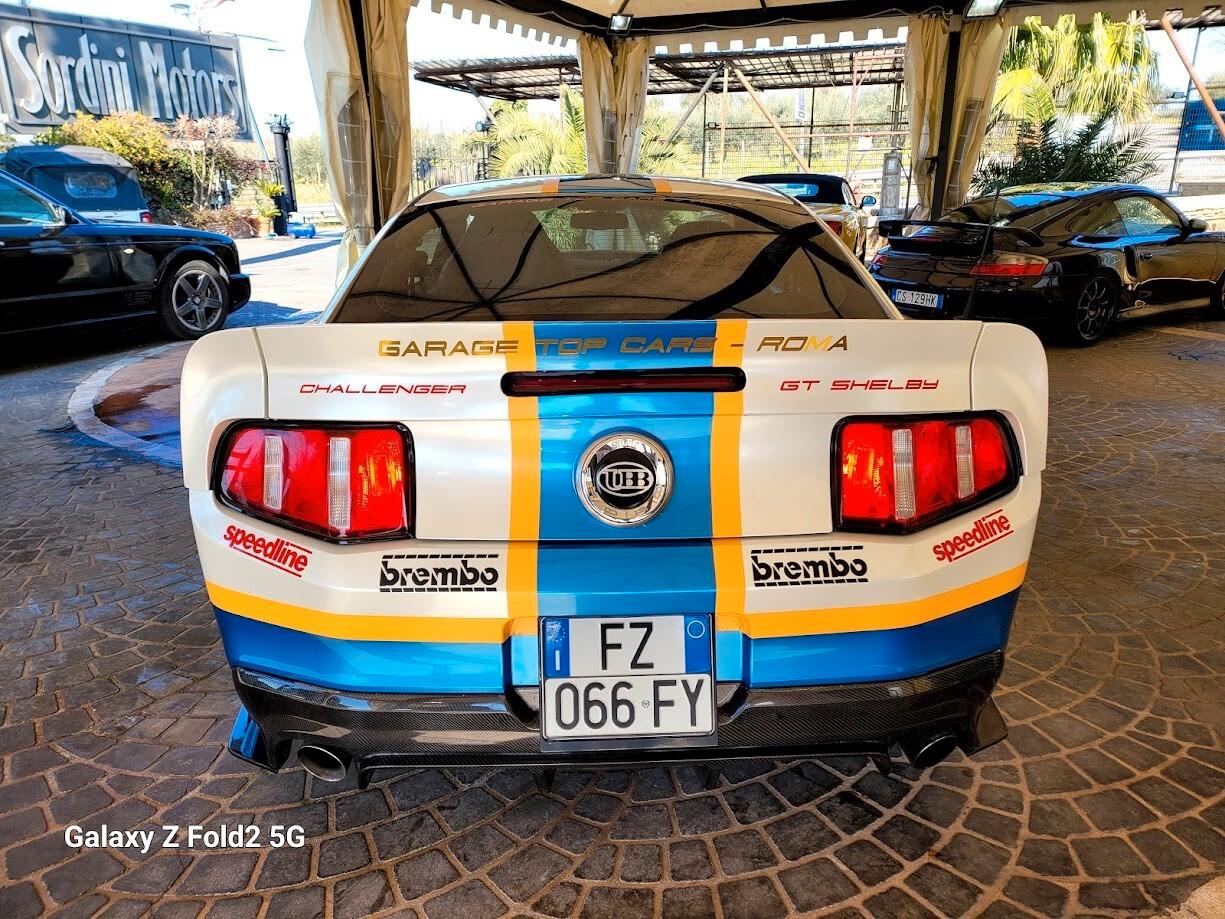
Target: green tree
<point x="524" y="144"/>
<point x="1043" y="154"/>
<point x="1103" y="67"/>
<point x="307" y="155"/>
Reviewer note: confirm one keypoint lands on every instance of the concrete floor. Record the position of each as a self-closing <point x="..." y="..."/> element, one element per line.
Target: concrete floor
<point x="1108" y="798"/>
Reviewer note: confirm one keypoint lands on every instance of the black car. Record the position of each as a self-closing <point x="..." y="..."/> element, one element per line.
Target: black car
<point x="1076" y="255"/>
<point x="59" y="268"/>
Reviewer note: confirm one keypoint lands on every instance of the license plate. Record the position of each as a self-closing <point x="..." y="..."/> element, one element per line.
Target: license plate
<point x="624" y="677"/>
<point x="918" y="298"/>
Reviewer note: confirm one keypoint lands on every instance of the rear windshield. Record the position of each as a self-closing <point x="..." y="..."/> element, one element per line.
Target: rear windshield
<point x="90" y="187"/>
<point x="811" y="192"/>
<point x="606" y="257"/>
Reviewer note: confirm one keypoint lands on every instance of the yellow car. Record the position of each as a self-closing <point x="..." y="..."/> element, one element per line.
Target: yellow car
<point x="828" y="197"/>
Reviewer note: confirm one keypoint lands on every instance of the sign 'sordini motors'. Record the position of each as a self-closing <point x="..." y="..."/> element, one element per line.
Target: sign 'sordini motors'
<point x="53" y="66"/>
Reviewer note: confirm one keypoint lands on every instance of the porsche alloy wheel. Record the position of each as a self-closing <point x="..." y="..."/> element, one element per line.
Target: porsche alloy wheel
<point x="195" y="300"/>
<point x="1094" y="311"/>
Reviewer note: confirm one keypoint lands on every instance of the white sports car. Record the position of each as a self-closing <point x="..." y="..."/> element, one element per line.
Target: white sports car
<point x="612" y="469"/>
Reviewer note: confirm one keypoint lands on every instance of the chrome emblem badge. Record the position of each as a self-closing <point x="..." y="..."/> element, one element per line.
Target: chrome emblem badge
<point x="625" y="479"/>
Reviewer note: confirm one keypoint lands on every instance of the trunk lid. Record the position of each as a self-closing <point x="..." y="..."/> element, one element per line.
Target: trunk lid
<point x="754" y="462"/>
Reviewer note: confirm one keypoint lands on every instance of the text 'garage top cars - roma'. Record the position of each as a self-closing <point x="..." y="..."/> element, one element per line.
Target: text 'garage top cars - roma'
<point x="612" y="469"/>
<point x="1076" y="255"/>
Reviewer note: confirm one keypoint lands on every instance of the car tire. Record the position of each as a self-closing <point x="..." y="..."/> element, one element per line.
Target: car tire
<point x="1217" y="309"/>
<point x="194" y="299"/>
<point x="1094" y="311"/>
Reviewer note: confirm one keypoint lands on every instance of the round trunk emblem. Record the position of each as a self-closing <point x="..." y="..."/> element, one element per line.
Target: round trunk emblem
<point x="625" y="479"/>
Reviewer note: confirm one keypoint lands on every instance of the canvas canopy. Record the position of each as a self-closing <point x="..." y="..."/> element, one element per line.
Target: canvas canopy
<point x="359" y="67"/>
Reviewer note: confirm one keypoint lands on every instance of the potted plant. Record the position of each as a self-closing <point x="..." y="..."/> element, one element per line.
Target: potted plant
<point x="267" y="208"/>
<point x="265" y="214"/>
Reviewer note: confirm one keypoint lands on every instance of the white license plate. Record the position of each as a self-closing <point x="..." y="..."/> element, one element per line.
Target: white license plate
<point x="623" y="677"/>
<point x="917" y="298"/>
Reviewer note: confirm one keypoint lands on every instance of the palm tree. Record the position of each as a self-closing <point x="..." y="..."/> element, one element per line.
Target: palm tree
<point x="528" y="145"/>
<point x="1090" y="154"/>
<point x="1065" y="69"/>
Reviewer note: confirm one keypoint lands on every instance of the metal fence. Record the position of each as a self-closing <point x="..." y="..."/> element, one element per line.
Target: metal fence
<point x="856" y="151"/>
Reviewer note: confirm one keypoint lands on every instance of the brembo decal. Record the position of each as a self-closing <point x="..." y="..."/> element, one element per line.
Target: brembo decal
<point x="279" y="553"/>
<point x="873" y="385"/>
<point x="804" y="566"/>
<point x="987" y="529"/>
<point x="438" y="573"/>
<point x="381" y="389"/>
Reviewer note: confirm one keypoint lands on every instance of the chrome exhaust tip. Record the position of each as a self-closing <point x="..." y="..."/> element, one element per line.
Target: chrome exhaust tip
<point x="929" y="751"/>
<point x="324" y="764"/>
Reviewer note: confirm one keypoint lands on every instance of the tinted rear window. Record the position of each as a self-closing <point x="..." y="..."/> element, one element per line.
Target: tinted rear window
<point x="606" y="257"/>
<point x="1005" y="210"/>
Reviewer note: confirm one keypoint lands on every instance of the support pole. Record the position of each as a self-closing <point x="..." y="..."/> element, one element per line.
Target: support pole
<point x="692" y="105"/>
<point x="1194" y="75"/>
<point x="723" y="122"/>
<point x="850" y="129"/>
<point x="944" y="145"/>
<point x="778" y="129"/>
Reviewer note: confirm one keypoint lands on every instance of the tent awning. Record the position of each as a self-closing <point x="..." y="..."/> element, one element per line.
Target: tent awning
<point x="676" y="26"/>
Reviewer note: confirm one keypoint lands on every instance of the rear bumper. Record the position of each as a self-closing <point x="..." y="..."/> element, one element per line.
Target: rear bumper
<point x="240" y="291"/>
<point x="387" y="731"/>
<point x="1013" y="300"/>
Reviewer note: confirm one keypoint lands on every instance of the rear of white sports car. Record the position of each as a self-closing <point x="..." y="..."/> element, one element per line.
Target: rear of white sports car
<point x="612" y="470"/>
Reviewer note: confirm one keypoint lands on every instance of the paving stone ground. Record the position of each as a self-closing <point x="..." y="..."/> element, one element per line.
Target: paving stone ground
<point x="1108" y="798"/>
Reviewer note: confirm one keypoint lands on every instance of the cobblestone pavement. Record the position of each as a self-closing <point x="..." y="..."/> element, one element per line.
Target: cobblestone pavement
<point x="1108" y="798"/>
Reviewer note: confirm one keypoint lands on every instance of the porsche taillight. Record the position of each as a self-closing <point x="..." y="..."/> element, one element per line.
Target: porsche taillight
<point x="835" y="226"/>
<point x="904" y="474"/>
<point x="340" y="483"/>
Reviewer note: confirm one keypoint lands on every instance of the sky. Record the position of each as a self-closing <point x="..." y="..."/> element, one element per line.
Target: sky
<point x="274" y="61"/>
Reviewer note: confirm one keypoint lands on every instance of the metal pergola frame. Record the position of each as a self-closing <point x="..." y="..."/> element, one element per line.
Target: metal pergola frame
<point x="517" y="78"/>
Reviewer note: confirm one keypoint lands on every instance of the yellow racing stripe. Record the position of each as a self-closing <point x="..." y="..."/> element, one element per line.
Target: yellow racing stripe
<point x="524" y="486"/>
<point x="357" y="627"/>
<point x="790" y="623"/>
<point x="725" y="523"/>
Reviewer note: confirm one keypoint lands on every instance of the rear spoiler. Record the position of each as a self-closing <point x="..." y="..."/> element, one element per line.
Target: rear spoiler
<point x="965" y="237"/>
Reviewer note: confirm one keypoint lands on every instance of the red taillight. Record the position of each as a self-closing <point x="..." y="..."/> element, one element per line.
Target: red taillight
<point x="146" y="217"/>
<point x="906" y="474"/>
<point x="835" y="226"/>
<point x="881" y="257"/>
<point x="338" y="483"/>
<point x="1010" y="265"/>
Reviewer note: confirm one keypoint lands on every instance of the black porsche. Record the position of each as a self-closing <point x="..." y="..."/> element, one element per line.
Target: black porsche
<point x="60" y="268"/>
<point x="1079" y="256"/>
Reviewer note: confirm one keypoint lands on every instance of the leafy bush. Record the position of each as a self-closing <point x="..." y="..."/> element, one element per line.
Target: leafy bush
<point x="178" y="171"/>
<point x="1044" y="154"/>
<point x="218" y="220"/>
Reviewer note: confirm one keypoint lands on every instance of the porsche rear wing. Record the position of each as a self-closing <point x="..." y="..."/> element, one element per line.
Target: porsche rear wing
<point x="952" y="238"/>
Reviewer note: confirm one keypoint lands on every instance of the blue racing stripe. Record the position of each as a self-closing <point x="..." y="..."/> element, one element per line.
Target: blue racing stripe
<point x="624" y="578"/>
<point x="361" y="666"/>
<point x="864" y="657"/>
<point x="569" y="424"/>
